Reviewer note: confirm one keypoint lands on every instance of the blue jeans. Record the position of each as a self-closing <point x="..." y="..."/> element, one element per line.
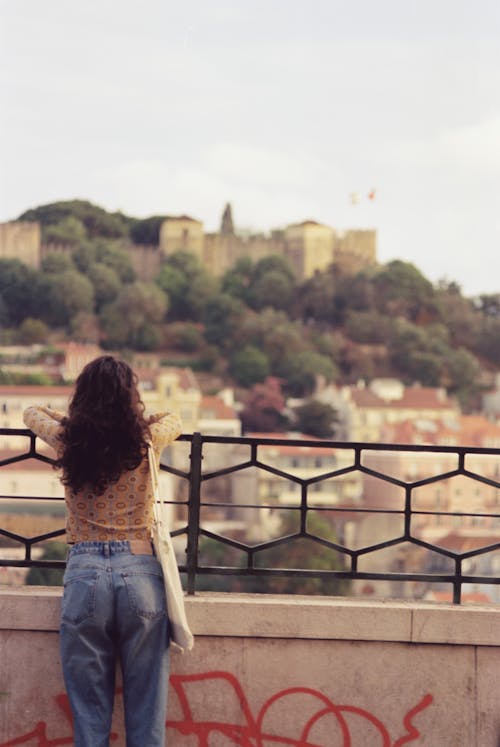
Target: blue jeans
<point x="114" y="609"/>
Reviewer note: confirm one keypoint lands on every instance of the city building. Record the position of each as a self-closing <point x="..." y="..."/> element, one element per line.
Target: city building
<point x="365" y="410"/>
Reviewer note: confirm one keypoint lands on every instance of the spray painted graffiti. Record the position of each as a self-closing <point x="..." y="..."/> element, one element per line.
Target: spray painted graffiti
<point x="247" y="730"/>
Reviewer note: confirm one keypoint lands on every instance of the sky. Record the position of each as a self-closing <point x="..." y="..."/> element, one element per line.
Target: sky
<point x="289" y="109"/>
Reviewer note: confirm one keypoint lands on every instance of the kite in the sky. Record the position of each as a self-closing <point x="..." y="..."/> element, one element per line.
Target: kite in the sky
<point x="356" y="198"/>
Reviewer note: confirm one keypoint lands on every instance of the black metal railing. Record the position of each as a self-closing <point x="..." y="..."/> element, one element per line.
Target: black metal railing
<point x="383" y="495"/>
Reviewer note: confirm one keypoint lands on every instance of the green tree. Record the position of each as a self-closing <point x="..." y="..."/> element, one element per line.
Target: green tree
<point x="273" y="331"/>
<point x="460" y="316"/>
<point x="32" y="331"/>
<point x="18" y="284"/>
<point x="462" y="372"/>
<point x="301" y="371"/>
<point x="184" y="336"/>
<point x="236" y="281"/>
<point x="249" y="366"/>
<point x="48" y="576"/>
<point x="56" y="262"/>
<point x="69" y="230"/>
<point x="301" y="553"/>
<point x="222" y="318"/>
<point x="147" y="230"/>
<point x="187" y="284"/>
<point x="97" y="222"/>
<point x="271" y="284"/>
<point x="304" y="553"/>
<point x="106" y="283"/>
<point x="61" y="296"/>
<point x="489" y="305"/>
<point x="111" y="254"/>
<point x="367" y="327"/>
<point x="402" y="290"/>
<point x="132" y="319"/>
<point x="273" y="289"/>
<point x="314" y="298"/>
<point x="84" y="255"/>
<point x="316" y="419"/>
<point x="353" y="293"/>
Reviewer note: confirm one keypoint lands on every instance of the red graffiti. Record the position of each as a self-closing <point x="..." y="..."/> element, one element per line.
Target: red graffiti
<point x="250" y="731"/>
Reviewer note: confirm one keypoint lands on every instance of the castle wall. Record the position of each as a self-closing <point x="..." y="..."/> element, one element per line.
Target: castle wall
<point x="21" y="240"/>
<point x="356" y="249"/>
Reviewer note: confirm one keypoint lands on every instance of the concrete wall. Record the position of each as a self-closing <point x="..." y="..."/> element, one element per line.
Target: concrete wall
<point x="282" y="670"/>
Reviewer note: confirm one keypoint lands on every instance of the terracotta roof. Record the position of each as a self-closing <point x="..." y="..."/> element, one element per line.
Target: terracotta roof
<point x="461" y="543"/>
<point x="423" y="398"/>
<point x="290" y="450"/>
<point x="215" y="407"/>
<point x="414" y="398"/>
<point x="34" y="390"/>
<point x="186" y="377"/>
<point x="365" y="398"/>
<point x="471" y="430"/>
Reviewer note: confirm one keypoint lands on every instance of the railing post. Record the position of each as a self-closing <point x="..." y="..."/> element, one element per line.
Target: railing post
<point x="194" y="511"/>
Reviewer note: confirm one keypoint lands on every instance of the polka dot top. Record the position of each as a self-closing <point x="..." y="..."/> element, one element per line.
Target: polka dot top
<point x="125" y="510"/>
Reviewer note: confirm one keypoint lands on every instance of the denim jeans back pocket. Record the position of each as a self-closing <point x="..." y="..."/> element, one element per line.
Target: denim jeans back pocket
<point x="146" y="593"/>
<point x="78" y="601"/>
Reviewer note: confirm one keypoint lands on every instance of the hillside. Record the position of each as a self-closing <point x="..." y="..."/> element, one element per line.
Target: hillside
<point x="255" y="321"/>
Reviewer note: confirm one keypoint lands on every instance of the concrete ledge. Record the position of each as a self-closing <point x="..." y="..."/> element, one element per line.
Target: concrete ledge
<point x="289" y="616"/>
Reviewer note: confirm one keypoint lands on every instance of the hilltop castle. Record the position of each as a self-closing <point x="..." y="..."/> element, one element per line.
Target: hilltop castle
<point x="309" y="246"/>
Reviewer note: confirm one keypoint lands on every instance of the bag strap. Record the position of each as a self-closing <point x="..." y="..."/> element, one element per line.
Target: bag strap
<point x="155" y="482"/>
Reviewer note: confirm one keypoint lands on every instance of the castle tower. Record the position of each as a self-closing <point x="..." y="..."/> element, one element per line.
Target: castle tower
<point x="227" y="225"/>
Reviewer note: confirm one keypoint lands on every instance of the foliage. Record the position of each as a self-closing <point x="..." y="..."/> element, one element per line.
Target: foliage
<point x="147" y="230"/>
<point x="249" y="366"/>
<point x="223" y="317"/>
<point x="304" y="553"/>
<point x="268" y="283"/>
<point x="388" y="320"/>
<point x="60" y="296"/>
<point x="48" y="576"/>
<point x="184" y="336"/>
<point x="97" y="222"/>
<point x="18" y="283"/>
<point x="106" y="283"/>
<point x="111" y="254"/>
<point x="188" y="285"/>
<point x="314" y="298"/>
<point x="301" y="372"/>
<point x="316" y="419"/>
<point x="402" y="290"/>
<point x="69" y="230"/>
<point x="301" y="553"/>
<point x="20" y="379"/>
<point x="55" y="262"/>
<point x="274" y="333"/>
<point x="32" y="331"/>
<point x="132" y="319"/>
<point x="367" y="327"/>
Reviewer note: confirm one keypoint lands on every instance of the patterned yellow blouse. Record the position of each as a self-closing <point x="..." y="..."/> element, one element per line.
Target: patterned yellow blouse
<point x="125" y="510"/>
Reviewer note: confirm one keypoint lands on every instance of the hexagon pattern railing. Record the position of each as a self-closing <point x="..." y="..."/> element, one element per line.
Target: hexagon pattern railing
<point x="360" y="461"/>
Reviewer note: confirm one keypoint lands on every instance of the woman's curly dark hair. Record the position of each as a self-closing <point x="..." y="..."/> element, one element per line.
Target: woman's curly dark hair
<point x="105" y="433"/>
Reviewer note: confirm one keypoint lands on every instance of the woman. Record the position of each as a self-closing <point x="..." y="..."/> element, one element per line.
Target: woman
<point x="114" y="605"/>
